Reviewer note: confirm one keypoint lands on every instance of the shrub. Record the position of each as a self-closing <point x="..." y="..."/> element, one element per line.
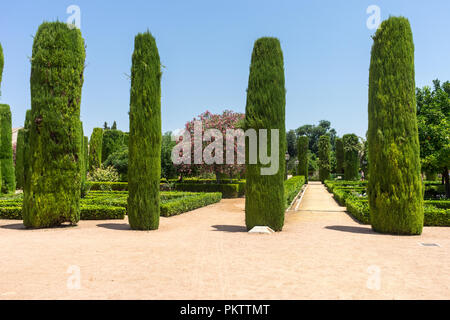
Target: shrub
<point x="339" y="155"/>
<point x="292" y="188"/>
<point x="108" y="174"/>
<point x="303" y="147"/>
<point x="395" y="186"/>
<point x="52" y="194"/>
<point x="20" y="158"/>
<point x="102" y="212"/>
<point x="95" y="149"/>
<point x="227" y="190"/>
<point x="119" y="160"/>
<point x="105" y="185"/>
<point x="113" y="141"/>
<point x="265" y="109"/>
<point x="144" y="139"/>
<point x="351" y="158"/>
<point x="186" y="204"/>
<point x="435" y="216"/>
<point x="324" y="158"/>
<point x="6" y="153"/>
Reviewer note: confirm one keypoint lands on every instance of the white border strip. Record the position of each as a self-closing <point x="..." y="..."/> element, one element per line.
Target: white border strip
<point x="301" y="198"/>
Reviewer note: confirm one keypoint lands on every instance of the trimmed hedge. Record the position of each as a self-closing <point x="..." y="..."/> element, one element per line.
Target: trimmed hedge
<point x="95" y="149"/>
<point x="144" y="141"/>
<point x="6" y="153"/>
<point x="113" y="186"/>
<point x="265" y="109"/>
<point x="292" y="188"/>
<point x="185" y="204"/>
<point x="227" y="190"/>
<point x="52" y="194"/>
<point x="395" y="184"/>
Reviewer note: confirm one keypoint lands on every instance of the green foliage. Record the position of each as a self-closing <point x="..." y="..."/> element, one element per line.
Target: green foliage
<point x="190" y="203"/>
<point x="102" y="212"/>
<point x="119" y="160"/>
<point x="292" y="188"/>
<point x="95" y="149"/>
<point x="6" y="153"/>
<point x="168" y="170"/>
<point x="144" y="169"/>
<point x="395" y="186"/>
<point x="107" y="186"/>
<point x="351" y="156"/>
<point x="113" y="141"/>
<point x="108" y="174"/>
<point x="265" y="109"/>
<point x="339" y="156"/>
<point x="20" y="158"/>
<point x="227" y="190"/>
<point x="324" y="158"/>
<point x="303" y="167"/>
<point x="26" y="148"/>
<point x="52" y="194"/>
<point x="291" y="143"/>
<point x="314" y="133"/>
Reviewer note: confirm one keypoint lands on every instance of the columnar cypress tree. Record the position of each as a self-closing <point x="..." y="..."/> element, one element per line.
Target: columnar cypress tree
<point x="113" y="140"/>
<point x="339" y="156"/>
<point x="6" y="152"/>
<point x="83" y="168"/>
<point x="95" y="149"/>
<point x="265" y="109"/>
<point x="52" y="194"/>
<point x="395" y="186"/>
<point x="351" y="158"/>
<point x="324" y="158"/>
<point x="26" y="148"/>
<point x="2" y="62"/>
<point x="86" y="152"/>
<point x="19" y="158"/>
<point x="303" y="146"/>
<point x="144" y="170"/>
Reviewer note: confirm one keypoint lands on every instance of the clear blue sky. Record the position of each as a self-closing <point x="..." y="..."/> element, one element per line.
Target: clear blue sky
<point x="206" y="47"/>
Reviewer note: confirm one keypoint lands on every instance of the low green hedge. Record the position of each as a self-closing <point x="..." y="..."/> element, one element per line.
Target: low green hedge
<point x="435" y="216"/>
<point x="228" y="190"/>
<point x="178" y="206"/>
<point x="112" y="186"/>
<point x="292" y="187"/>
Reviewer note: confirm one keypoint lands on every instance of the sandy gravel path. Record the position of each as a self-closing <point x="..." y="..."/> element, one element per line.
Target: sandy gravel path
<point x="206" y="254"/>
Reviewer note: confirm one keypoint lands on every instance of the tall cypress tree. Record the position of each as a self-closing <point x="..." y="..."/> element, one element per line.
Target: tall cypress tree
<point x="303" y="146"/>
<point x="339" y="156"/>
<point x="19" y="158"/>
<point x="324" y="158"/>
<point x="95" y="149"/>
<point x="395" y="186"/>
<point x="144" y="170"/>
<point x="52" y="194"/>
<point x="26" y="148"/>
<point x="351" y="156"/>
<point x="2" y="62"/>
<point x="6" y="152"/>
<point x="265" y="109"/>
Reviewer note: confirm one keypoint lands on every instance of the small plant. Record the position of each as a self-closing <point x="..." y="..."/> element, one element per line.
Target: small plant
<point x="108" y="174"/>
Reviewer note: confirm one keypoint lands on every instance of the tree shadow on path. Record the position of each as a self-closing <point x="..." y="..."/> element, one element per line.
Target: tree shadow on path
<point x="115" y="226"/>
<point x="229" y="228"/>
<point x="350" y="229"/>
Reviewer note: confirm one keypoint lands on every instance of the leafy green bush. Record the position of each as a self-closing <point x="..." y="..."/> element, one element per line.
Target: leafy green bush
<point x="6" y="153"/>
<point x="144" y="142"/>
<point x="108" y="174"/>
<point x="292" y="188"/>
<point x="52" y="192"/>
<point x="265" y="109"/>
<point x="119" y="160"/>
<point x="395" y="185"/>
<point x="113" y="141"/>
<point x="186" y="204"/>
<point x="102" y="212"/>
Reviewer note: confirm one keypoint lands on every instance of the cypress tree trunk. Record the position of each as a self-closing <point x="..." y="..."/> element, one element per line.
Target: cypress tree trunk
<point x="339" y="156"/>
<point x="324" y="158"/>
<point x="144" y="170"/>
<point x="6" y="152"/>
<point x="351" y="158"/>
<point x="303" y="144"/>
<point x="395" y="186"/>
<point x="19" y="158"/>
<point x="95" y="149"/>
<point x="52" y="194"/>
<point x="265" y="109"/>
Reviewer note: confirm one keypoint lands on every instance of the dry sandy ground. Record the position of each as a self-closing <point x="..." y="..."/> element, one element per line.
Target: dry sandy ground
<point x="206" y="254"/>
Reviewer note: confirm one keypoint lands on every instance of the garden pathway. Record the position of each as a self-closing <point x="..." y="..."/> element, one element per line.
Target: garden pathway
<point x="322" y="253"/>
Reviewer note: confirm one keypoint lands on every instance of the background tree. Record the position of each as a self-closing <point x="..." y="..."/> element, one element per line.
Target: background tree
<point x="433" y="117"/>
<point x="26" y="148"/>
<point x="303" y="151"/>
<point x="291" y="140"/>
<point x="265" y="109"/>
<point x="119" y="160"/>
<point x="52" y="194"/>
<point x="168" y="169"/>
<point x="324" y="158"/>
<point x="314" y="132"/>
<point x="364" y="159"/>
<point x="114" y="126"/>
<point x="113" y="141"/>
<point x="395" y="185"/>
<point x="351" y="156"/>
<point x="19" y="158"/>
<point x="6" y="153"/>
<point x="339" y="156"/>
<point x="95" y="149"/>
<point x="144" y="169"/>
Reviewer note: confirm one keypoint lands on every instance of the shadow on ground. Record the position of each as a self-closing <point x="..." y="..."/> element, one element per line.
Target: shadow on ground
<point x="21" y="227"/>
<point x="229" y="228"/>
<point x="115" y="226"/>
<point x="362" y="230"/>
